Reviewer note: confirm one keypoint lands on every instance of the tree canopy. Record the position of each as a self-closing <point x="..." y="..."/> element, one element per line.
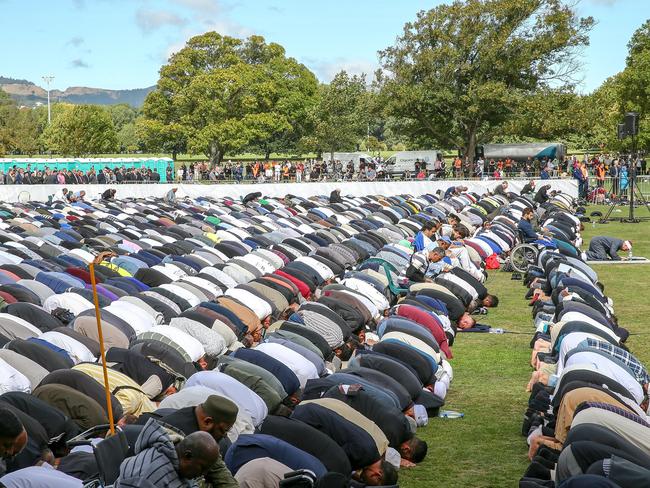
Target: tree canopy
<point x="457" y="72"/>
<point x="220" y="94"/>
<point x="341" y="115"/>
<point x="80" y="130"/>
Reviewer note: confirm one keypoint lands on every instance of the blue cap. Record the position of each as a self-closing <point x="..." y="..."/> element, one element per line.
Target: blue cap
<point x="445" y="239"/>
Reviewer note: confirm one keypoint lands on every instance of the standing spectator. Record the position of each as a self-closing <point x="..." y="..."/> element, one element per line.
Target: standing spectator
<point x="480" y="167"/>
<point x="458" y="168"/>
<point x="600" y="174"/>
<point x="238" y="172"/>
<point x="624" y="181"/>
<point x="300" y="167"/>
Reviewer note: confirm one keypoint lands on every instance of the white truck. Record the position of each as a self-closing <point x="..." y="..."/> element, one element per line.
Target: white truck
<point x="403" y="161"/>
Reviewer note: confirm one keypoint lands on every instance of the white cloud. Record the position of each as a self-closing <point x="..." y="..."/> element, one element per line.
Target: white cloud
<point x="326" y="70"/>
<point x="150" y="20"/>
<point x="202" y="7"/>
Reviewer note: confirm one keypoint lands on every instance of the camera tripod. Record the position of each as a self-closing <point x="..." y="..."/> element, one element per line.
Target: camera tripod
<point x="634" y="191"/>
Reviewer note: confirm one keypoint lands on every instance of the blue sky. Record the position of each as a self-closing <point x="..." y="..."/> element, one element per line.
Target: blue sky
<point x="122" y="43"/>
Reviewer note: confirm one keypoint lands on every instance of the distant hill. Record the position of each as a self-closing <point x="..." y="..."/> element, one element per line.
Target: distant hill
<point x="27" y="93"/>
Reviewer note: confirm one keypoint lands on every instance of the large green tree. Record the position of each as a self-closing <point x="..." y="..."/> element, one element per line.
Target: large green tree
<point x="20" y="128"/>
<point x="341" y="117"/>
<point x="78" y="130"/>
<point x="457" y="72"/>
<point x="634" y="82"/>
<point x="220" y="95"/>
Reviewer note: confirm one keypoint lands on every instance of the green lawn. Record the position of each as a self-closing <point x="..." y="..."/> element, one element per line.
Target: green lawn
<point x="486" y="448"/>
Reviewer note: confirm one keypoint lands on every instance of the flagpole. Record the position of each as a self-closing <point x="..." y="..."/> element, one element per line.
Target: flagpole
<point x="109" y="406"/>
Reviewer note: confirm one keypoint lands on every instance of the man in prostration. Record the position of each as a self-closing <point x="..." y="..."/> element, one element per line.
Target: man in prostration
<point x="602" y="248"/>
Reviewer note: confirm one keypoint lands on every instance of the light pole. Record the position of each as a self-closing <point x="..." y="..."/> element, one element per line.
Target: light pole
<point x="48" y="80"/>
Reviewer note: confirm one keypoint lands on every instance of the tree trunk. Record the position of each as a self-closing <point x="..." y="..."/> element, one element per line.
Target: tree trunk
<point x="267" y="153"/>
<point x="215" y="153"/>
<point x="470" y="147"/>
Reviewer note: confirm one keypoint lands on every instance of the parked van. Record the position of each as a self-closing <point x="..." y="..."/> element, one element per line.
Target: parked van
<point x="403" y="161"/>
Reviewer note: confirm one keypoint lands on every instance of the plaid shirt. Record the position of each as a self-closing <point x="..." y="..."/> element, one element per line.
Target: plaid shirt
<point x="640" y="373"/>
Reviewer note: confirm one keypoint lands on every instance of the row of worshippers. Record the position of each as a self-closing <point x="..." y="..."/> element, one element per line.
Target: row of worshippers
<point x="586" y="422"/>
<point x="264" y="324"/>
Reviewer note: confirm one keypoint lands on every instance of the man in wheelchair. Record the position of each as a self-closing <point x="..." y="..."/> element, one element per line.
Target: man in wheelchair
<point x="527" y="231"/>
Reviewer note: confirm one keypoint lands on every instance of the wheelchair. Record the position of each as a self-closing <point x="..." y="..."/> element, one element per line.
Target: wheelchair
<point x="526" y="254"/>
<point x="109" y="453"/>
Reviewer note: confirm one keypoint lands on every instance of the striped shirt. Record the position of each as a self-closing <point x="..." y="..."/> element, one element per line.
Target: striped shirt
<point x="612" y="408"/>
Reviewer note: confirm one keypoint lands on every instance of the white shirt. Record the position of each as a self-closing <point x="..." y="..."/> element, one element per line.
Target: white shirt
<point x="77" y="351"/>
<point x="31" y="330"/>
<point x="580" y="317"/>
<point x="460" y="282"/>
<point x="8" y="258"/>
<point x="82" y="254"/>
<point x="40" y="477"/>
<point x="301" y="366"/>
<point x="261" y="308"/>
<point x="12" y="380"/>
<point x="190" y="345"/>
<point x="366" y="289"/>
<point x="172" y="272"/>
<point x="158" y="317"/>
<point x="191" y="298"/>
<point x="259" y="262"/>
<point x="608" y="368"/>
<point x="137" y="318"/>
<point x="69" y="301"/>
<point x="220" y="276"/>
<point x="191" y="396"/>
<point x="213" y="343"/>
<point x="324" y="272"/>
<point x="238" y="274"/>
<point x="570" y="342"/>
<point x="163" y="299"/>
<point x="414" y="342"/>
<point x="244" y="397"/>
<point x="372" y="308"/>
<point x="204" y="284"/>
<point x="269" y="256"/>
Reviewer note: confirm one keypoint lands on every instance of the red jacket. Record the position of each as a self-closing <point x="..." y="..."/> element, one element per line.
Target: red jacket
<point x="426" y="320"/>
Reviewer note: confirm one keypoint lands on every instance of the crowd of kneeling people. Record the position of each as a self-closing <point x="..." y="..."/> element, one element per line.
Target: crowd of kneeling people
<point x="244" y="341"/>
<point x="586" y="422"/>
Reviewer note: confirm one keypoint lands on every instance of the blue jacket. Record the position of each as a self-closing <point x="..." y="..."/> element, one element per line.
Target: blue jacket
<point x="281" y="371"/>
<point x="254" y="446"/>
<point x="527" y="231"/>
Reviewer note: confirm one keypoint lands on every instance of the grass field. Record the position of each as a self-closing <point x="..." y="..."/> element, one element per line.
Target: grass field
<point x="486" y="448"/>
